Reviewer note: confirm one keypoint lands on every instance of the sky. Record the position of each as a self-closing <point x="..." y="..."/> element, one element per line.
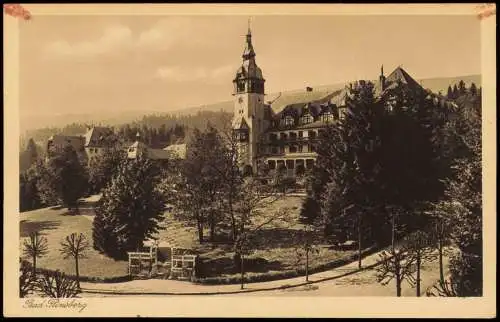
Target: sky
<point x="88" y="64"/>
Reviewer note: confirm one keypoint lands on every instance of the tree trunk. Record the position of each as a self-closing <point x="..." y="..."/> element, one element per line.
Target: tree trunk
<point x="242" y="269"/>
<point x="398" y="275"/>
<point x="398" y="286"/>
<point x="441" y="268"/>
<point x="307" y="264"/>
<point x="34" y="266"/>
<point x="77" y="272"/>
<point x="200" y="231"/>
<point x="212" y="226"/>
<point x="418" y="273"/>
<point x="359" y="242"/>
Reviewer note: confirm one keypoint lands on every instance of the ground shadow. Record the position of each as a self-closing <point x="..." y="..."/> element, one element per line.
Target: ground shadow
<point x="27" y="227"/>
<point x="226" y="265"/>
<point x="275" y="238"/>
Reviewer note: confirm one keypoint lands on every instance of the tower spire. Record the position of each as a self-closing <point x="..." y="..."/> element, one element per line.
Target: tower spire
<point x="382" y="70"/>
<point x="249" y="53"/>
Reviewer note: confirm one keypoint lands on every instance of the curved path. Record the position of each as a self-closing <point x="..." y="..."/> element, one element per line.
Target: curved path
<point x="344" y="281"/>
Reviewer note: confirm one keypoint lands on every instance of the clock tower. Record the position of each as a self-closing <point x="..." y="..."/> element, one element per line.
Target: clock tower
<point x="249" y="114"/>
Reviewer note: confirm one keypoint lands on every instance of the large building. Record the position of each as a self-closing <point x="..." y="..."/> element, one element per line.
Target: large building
<point x="274" y="135"/>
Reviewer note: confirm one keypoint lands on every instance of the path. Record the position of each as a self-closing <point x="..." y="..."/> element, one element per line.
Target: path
<point x="343" y="281"/>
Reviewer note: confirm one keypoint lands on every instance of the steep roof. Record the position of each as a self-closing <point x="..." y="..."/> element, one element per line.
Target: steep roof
<point x="400" y="75"/>
<point x="177" y="150"/>
<point x="94" y="136"/>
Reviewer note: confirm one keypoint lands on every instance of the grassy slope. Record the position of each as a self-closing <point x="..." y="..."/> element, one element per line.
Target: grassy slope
<point x="274" y="251"/>
<point x="55" y="225"/>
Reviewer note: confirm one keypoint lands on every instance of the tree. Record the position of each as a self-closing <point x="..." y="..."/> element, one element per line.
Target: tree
<point x="348" y="167"/>
<point x="449" y="94"/>
<point x="102" y="168"/>
<point x="64" y="179"/>
<point x="420" y="247"/>
<point x="463" y="199"/>
<point x="397" y="262"/>
<point x="75" y="246"/>
<point x="27" y="281"/>
<point x="29" y="198"/>
<point x="456" y="92"/>
<point x="57" y="285"/>
<point x="462" y="90"/>
<point x="35" y="247"/>
<point x="29" y="156"/>
<point x="252" y="215"/>
<point x="473" y="89"/>
<point x="306" y="245"/>
<point x="199" y="190"/>
<point x="129" y="209"/>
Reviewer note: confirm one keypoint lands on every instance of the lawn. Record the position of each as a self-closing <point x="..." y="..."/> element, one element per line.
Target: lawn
<point x="55" y="224"/>
<point x="275" y="248"/>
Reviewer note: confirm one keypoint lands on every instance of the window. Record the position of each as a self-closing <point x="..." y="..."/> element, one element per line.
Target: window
<point x="274" y="150"/>
<point x="283" y="136"/>
<point x="292" y="149"/>
<point x="306" y="119"/>
<point x="327" y="117"/>
<point x="289" y="121"/>
<point x="309" y="163"/>
<point x="312" y="134"/>
<point x="301" y="134"/>
<point x="282" y="149"/>
<point x="293" y="135"/>
<point x="301" y="148"/>
<point x="272" y="164"/>
<point x="273" y="137"/>
<point x="290" y="164"/>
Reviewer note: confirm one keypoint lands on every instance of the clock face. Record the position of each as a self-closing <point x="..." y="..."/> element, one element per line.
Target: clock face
<point x="240" y="100"/>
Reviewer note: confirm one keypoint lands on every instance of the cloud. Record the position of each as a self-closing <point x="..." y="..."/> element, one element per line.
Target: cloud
<point x="113" y="37"/>
<point x="188" y="74"/>
<point x="163" y="35"/>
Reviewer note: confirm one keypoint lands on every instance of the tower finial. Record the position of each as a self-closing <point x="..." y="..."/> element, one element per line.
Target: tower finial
<point x="249" y="29"/>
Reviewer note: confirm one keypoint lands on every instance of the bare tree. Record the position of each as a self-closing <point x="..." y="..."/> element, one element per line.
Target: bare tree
<point x="57" y="285"/>
<point x="35" y="246"/>
<point x="306" y="245"/>
<point x="252" y="214"/>
<point x="75" y="246"/>
<point x="421" y="247"/>
<point x="396" y="263"/>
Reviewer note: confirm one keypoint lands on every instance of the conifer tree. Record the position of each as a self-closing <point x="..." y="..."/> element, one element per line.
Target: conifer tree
<point x="456" y="93"/>
<point x="449" y="94"/>
<point x="129" y="210"/>
<point x="64" y="179"/>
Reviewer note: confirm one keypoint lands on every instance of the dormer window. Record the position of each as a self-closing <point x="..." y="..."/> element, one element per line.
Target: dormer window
<point x="327" y="117"/>
<point x="288" y="121"/>
<point x="306" y="119"/>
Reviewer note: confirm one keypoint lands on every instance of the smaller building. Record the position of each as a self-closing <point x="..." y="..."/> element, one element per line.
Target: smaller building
<point x="97" y="139"/>
<point x="177" y="151"/>
<point x="139" y="148"/>
<point x="56" y="143"/>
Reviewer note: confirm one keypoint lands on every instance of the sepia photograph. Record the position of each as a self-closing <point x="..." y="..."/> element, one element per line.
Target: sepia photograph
<point x="248" y="155"/>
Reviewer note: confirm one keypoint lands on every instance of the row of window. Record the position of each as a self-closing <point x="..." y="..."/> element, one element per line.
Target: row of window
<point x="293" y="149"/>
<point x="289" y="120"/>
<point x="290" y="164"/>
<point x="294" y="135"/>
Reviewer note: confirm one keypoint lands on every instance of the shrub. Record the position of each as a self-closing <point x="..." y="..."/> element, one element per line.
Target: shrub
<point x="57" y="285"/>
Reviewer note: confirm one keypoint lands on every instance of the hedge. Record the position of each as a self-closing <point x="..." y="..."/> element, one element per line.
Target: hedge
<point x="272" y="276"/>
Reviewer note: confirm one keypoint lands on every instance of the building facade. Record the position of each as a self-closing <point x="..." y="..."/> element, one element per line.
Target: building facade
<point x="284" y="137"/>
